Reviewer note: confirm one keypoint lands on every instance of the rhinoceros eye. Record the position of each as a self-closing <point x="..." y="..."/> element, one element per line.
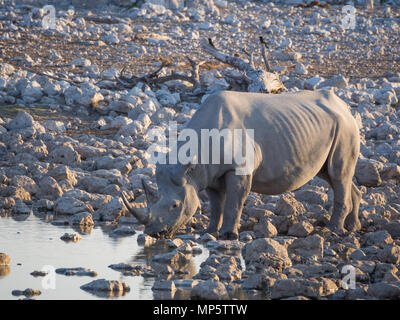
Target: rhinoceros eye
<point x="175" y="205"/>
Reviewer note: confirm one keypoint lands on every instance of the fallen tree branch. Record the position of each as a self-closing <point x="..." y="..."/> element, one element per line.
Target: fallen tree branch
<point x="174" y="76"/>
<point x="153" y="78"/>
<point x="106" y="20"/>
<point x="133" y="81"/>
<point x="264" y="54"/>
<point x="251" y="58"/>
<point x="196" y="70"/>
<point x="258" y="80"/>
<point x="313" y="4"/>
<point x="236" y="62"/>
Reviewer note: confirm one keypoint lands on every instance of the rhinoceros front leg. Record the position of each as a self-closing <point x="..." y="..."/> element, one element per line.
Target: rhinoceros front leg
<point x="237" y="190"/>
<point x="217" y="201"/>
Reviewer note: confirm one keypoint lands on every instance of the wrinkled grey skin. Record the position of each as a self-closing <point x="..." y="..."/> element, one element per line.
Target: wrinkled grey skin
<point x="297" y="136"/>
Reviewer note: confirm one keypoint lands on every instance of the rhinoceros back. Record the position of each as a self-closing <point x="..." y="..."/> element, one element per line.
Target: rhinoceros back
<point x="293" y="132"/>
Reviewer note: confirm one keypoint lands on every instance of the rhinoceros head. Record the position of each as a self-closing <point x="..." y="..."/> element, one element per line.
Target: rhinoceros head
<point x="172" y="206"/>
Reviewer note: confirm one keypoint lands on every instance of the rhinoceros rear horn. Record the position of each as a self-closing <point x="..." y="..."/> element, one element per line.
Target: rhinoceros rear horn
<point x="150" y="192"/>
<point x="141" y="214"/>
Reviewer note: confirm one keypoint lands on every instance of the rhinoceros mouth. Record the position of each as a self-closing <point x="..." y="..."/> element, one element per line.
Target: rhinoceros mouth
<point x="162" y="235"/>
<point x="166" y="232"/>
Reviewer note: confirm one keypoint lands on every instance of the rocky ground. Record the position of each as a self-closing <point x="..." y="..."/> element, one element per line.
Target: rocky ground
<point x="71" y="138"/>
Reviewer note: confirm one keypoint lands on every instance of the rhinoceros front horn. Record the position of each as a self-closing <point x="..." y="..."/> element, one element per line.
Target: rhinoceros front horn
<point x="142" y="214"/>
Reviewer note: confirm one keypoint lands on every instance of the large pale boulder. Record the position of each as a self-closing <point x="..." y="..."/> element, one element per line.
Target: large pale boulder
<point x="367" y="172"/>
<point x="112" y="210"/>
<point x="70" y="206"/>
<point x="309" y="247"/>
<point x="288" y="205"/>
<point x="210" y="289"/>
<point x="296" y="287"/>
<point x="49" y="189"/>
<point x="65" y="154"/>
<point x="21" y="121"/>
<point x="82" y="218"/>
<point x="265" y="252"/>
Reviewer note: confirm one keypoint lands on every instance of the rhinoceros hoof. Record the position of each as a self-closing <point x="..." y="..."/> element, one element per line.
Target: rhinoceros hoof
<point x="228" y="236"/>
<point x="338" y="230"/>
<point x="213" y="233"/>
<point x="352" y="225"/>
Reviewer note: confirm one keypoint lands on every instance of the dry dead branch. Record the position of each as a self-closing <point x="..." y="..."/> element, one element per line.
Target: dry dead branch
<point x="153" y="78"/>
<point x="313" y="4"/>
<point x="250" y="78"/>
<point x="258" y="80"/>
<point x="105" y="20"/>
<point x="264" y="54"/>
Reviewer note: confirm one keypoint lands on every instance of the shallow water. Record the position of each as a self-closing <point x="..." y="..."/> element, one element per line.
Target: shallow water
<point x="34" y="243"/>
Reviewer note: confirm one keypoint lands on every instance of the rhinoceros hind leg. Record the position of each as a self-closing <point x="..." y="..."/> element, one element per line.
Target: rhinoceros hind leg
<point x="352" y="222"/>
<point x="342" y="202"/>
<point x="237" y="189"/>
<point x="342" y="205"/>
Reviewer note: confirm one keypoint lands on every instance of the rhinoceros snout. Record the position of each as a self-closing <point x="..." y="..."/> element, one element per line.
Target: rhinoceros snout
<point x="161" y="234"/>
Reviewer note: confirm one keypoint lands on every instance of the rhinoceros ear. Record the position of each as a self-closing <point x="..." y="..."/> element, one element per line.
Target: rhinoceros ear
<point x="178" y="176"/>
